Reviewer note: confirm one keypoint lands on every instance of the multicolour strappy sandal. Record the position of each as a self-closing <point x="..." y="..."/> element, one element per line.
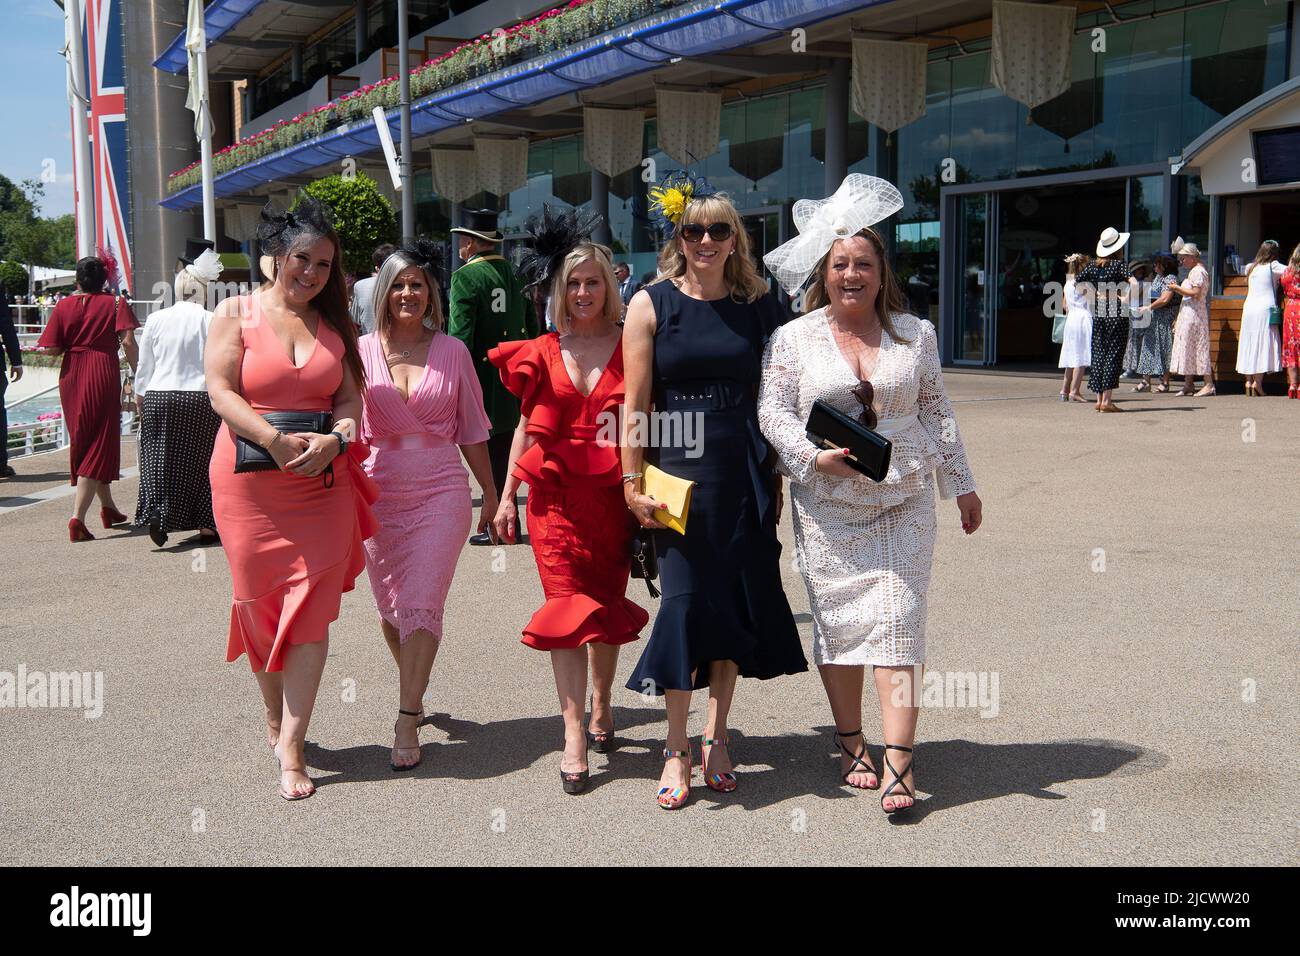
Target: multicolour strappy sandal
<point x="721" y="782"/>
<point x="674" y="798"/>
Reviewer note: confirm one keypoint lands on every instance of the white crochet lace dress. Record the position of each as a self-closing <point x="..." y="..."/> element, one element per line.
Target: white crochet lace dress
<point x="865" y="549"/>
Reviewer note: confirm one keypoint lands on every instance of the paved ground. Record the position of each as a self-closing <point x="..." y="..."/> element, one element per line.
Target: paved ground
<point x="1146" y="712"/>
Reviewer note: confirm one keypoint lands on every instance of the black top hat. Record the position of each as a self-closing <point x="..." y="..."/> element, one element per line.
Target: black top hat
<point x="481" y="223"/>
<point x="194" y="248"/>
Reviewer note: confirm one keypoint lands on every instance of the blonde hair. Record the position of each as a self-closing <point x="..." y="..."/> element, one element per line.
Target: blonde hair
<point x="394" y="266"/>
<point x="889" y="299"/>
<point x="190" y="288"/>
<point x="1294" y="262"/>
<point x="584" y="252"/>
<point x="1075" y="262"/>
<point x="739" y="271"/>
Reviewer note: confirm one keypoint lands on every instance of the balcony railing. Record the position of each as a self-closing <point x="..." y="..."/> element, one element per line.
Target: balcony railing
<point x="550" y="31"/>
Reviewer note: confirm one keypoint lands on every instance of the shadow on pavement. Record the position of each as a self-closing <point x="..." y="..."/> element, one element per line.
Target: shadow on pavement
<point x="474" y="751"/>
<point x="950" y="773"/>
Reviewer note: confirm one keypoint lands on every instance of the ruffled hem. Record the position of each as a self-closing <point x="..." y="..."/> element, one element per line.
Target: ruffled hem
<point x="300" y="612"/>
<point x="573" y="620"/>
<point x="569" y="462"/>
<point x="690" y="633"/>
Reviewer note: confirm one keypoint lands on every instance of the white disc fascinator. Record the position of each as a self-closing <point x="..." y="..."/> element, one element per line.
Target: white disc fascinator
<point x="207" y="267"/>
<point x="860" y="201"/>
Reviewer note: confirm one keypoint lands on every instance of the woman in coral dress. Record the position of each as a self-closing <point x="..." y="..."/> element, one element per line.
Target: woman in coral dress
<point x="86" y="329"/>
<point x="570" y="385"/>
<point x="293" y="534"/>
<point x="422" y="400"/>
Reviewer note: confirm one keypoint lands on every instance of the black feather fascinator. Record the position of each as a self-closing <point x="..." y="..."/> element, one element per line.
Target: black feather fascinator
<point x="278" y="232"/>
<point x="552" y="234"/>
<point x="429" y="256"/>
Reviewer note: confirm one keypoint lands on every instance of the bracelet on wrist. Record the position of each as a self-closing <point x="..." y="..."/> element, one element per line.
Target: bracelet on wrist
<point x="632" y="476"/>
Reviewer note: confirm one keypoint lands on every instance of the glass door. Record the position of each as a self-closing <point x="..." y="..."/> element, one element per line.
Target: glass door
<point x="972" y="312"/>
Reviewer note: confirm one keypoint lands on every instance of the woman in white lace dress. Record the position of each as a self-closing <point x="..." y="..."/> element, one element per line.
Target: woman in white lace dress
<point x="864" y="549"/>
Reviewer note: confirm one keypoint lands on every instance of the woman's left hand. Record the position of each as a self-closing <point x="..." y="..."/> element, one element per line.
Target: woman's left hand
<point x="321" y="450"/>
<point x="485" y="523"/>
<point x="972" y="511"/>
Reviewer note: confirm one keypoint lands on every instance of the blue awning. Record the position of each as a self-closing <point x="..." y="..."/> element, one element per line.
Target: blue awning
<point x="218" y="18"/>
<point x="695" y="30"/>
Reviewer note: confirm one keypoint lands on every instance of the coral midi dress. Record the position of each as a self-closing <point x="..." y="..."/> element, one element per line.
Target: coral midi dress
<point x="294" y="543"/>
<point x="578" y="523"/>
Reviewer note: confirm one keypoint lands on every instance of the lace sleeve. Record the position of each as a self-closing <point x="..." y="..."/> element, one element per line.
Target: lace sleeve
<point x="778" y="408"/>
<point x="940" y="423"/>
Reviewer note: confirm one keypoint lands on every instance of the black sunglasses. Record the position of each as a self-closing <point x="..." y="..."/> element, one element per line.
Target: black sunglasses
<point x="718" y="231"/>
<point x="865" y="394"/>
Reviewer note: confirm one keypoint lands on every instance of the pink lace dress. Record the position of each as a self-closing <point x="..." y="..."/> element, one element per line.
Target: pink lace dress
<point x="424" y="506"/>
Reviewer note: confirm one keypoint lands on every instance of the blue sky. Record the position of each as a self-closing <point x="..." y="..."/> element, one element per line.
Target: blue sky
<point x="34" y="120"/>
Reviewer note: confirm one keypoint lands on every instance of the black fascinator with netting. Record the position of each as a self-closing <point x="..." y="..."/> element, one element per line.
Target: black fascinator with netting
<point x="429" y="256"/>
<point x="278" y="232"/>
<point x="552" y="234"/>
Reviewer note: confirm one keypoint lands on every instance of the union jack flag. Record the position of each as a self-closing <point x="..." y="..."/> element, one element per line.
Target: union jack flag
<point x="106" y="75"/>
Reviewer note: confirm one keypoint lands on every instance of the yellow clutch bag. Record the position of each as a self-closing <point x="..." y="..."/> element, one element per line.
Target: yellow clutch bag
<point x="674" y="492"/>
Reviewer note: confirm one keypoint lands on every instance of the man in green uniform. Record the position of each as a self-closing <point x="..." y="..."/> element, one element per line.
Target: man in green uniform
<point x="486" y="306"/>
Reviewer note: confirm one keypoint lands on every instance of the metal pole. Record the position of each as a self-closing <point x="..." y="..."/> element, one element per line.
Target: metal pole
<point x="205" y="149"/>
<point x="404" y="109"/>
<point x="80" y="130"/>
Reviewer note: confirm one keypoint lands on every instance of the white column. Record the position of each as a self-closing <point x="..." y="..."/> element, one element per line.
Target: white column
<point x="80" y="130"/>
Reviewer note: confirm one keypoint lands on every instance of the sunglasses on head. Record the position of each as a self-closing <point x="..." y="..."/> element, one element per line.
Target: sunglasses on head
<point x="718" y="231"/>
<point x="865" y="394"/>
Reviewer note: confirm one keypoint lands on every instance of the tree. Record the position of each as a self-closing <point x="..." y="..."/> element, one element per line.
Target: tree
<point x="363" y="217"/>
<point x="29" y="238"/>
<point x="14" y="277"/>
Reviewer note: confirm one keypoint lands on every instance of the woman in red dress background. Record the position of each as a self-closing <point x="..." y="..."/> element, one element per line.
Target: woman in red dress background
<point x="86" y="329"/>
<point x="1290" y="283"/>
<point x="579" y="527"/>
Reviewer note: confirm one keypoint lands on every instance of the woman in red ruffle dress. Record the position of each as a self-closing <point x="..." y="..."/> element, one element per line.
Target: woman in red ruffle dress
<point x="570" y="387"/>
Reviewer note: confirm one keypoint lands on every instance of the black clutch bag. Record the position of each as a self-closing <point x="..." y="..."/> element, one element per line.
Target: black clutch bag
<point x="645" y="559"/>
<point x="869" y="452"/>
<point x="250" y="456"/>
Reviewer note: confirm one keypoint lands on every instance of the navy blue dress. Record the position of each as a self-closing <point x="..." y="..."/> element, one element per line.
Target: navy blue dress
<point x="721" y="581"/>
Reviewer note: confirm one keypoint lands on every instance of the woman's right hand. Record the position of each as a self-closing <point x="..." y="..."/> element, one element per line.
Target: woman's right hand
<point x="504" y="522"/>
<point x="643" y="507"/>
<point x="285" y="449"/>
<point x="831" y="462"/>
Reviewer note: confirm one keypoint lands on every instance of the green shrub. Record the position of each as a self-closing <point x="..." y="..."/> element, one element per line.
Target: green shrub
<point x="14" y="276"/>
<point x="363" y="217"/>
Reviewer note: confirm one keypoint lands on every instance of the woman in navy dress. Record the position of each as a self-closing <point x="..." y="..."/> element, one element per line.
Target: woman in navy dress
<point x="692" y="345"/>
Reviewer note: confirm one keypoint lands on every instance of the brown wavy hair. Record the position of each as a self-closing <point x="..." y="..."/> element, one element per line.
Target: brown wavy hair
<point x="889" y="299"/>
<point x="740" y="272"/>
<point x="332" y="300"/>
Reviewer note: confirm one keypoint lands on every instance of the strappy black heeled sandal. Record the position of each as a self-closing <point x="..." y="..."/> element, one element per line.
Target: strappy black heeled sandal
<point x="398" y="768"/>
<point x="898" y="781"/>
<point x="858" y="765"/>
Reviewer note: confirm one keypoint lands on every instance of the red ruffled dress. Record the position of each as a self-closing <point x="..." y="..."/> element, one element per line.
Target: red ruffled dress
<point x="579" y="525"/>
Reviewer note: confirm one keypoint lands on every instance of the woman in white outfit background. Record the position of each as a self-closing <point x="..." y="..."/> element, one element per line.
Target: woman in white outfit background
<point x="1259" y="348"/>
<point x="864" y="549"/>
<point x="1076" y="342"/>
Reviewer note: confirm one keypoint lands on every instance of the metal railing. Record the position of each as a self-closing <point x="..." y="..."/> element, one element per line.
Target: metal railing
<point x="50" y="434"/>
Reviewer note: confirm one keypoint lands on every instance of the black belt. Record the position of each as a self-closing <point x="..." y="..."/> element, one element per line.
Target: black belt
<point x="712" y="395"/>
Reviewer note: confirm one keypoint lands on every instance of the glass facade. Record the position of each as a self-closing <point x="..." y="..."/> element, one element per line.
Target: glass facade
<point x="1157" y="84"/>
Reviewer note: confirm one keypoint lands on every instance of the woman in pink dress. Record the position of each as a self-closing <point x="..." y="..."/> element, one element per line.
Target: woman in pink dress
<point x="291" y="533"/>
<point x="422" y="400"/>
<point x="1289" y="299"/>
<point x="1191" y="353"/>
